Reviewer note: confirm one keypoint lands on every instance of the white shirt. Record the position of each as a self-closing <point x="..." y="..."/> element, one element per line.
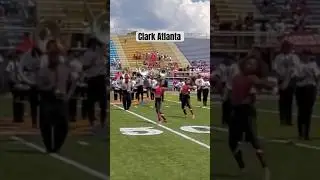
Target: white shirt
<point x="199" y="83"/>
<point x="308" y="74"/>
<point x="233" y="71"/>
<point x="42" y="44"/>
<point x="284" y="64"/>
<point x="206" y="85"/>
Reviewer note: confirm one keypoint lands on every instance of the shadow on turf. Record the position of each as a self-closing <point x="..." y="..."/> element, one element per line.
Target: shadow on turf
<point x="223" y="176"/>
<point x="175" y="116"/>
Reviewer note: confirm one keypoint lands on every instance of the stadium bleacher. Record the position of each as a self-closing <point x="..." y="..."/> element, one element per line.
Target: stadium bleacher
<point x="127" y="47"/>
<point x="76" y="11"/>
<point x="15" y="15"/>
<point x="113" y="54"/>
<point x="195" y="49"/>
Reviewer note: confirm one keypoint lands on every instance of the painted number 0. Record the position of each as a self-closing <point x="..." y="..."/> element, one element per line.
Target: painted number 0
<point x="140" y="131"/>
<point x="196" y="129"/>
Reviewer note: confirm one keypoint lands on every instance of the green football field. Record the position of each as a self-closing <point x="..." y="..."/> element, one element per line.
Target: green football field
<point x="287" y="157"/>
<point x="142" y="149"/>
<point x="84" y="156"/>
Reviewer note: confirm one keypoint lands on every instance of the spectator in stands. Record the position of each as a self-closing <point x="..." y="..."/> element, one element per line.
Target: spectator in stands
<point x="249" y="21"/>
<point x="238" y="24"/>
<point x="280" y="26"/>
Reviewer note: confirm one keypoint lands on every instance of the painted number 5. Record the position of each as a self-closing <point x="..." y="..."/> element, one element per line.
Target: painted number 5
<point x="140" y="131"/>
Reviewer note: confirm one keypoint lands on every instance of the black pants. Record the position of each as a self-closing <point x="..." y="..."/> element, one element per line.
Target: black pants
<point x="140" y="93"/>
<point x="157" y="104"/>
<point x="305" y="97"/>
<point x="116" y="93"/>
<point x="97" y="92"/>
<point x="285" y="105"/>
<point x="126" y="100"/>
<point x="152" y="94"/>
<point x="34" y="102"/>
<point x="243" y="121"/>
<point x="18" y="105"/>
<point x="185" y="101"/>
<point x="199" y="94"/>
<point x="205" y="96"/>
<point x="73" y="109"/>
<point x="73" y="104"/>
<point x="226" y="111"/>
<point x="53" y="121"/>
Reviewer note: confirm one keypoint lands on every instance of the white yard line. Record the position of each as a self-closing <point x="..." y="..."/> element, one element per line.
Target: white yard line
<point x="166" y="128"/>
<point x="65" y="160"/>
<point x="83" y="143"/>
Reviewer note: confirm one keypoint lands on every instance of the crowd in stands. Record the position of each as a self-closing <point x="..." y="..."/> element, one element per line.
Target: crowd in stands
<point x="276" y="17"/>
<point x="200" y="66"/>
<point x="291" y="12"/>
<point x="19" y="9"/>
<point x="156" y="59"/>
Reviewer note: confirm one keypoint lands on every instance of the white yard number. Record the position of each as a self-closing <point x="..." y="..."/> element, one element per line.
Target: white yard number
<point x="196" y="129"/>
<point x="140" y="131"/>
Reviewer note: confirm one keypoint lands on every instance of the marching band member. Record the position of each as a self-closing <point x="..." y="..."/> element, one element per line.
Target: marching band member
<point x="17" y="88"/>
<point x="185" y="98"/>
<point x="116" y="88"/>
<point x="127" y="88"/>
<point x="119" y="82"/>
<point x="76" y="66"/>
<point x="153" y="87"/>
<point x="95" y="70"/>
<point x="286" y="65"/>
<point x="205" y="90"/>
<point x="157" y="102"/>
<point x="139" y="86"/>
<point x="242" y="99"/>
<point x="224" y="73"/>
<point x="147" y="85"/>
<point x="134" y="87"/>
<point x="30" y="67"/>
<point x="306" y="93"/>
<point x="199" y="83"/>
<point x="165" y="85"/>
<point x="52" y="83"/>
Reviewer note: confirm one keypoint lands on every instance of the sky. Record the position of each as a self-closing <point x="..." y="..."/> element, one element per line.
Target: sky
<point x="190" y="16"/>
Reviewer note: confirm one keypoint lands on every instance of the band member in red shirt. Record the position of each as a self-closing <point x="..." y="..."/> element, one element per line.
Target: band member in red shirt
<point x="158" y="93"/>
<point x="185" y="98"/>
<point x="242" y="121"/>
